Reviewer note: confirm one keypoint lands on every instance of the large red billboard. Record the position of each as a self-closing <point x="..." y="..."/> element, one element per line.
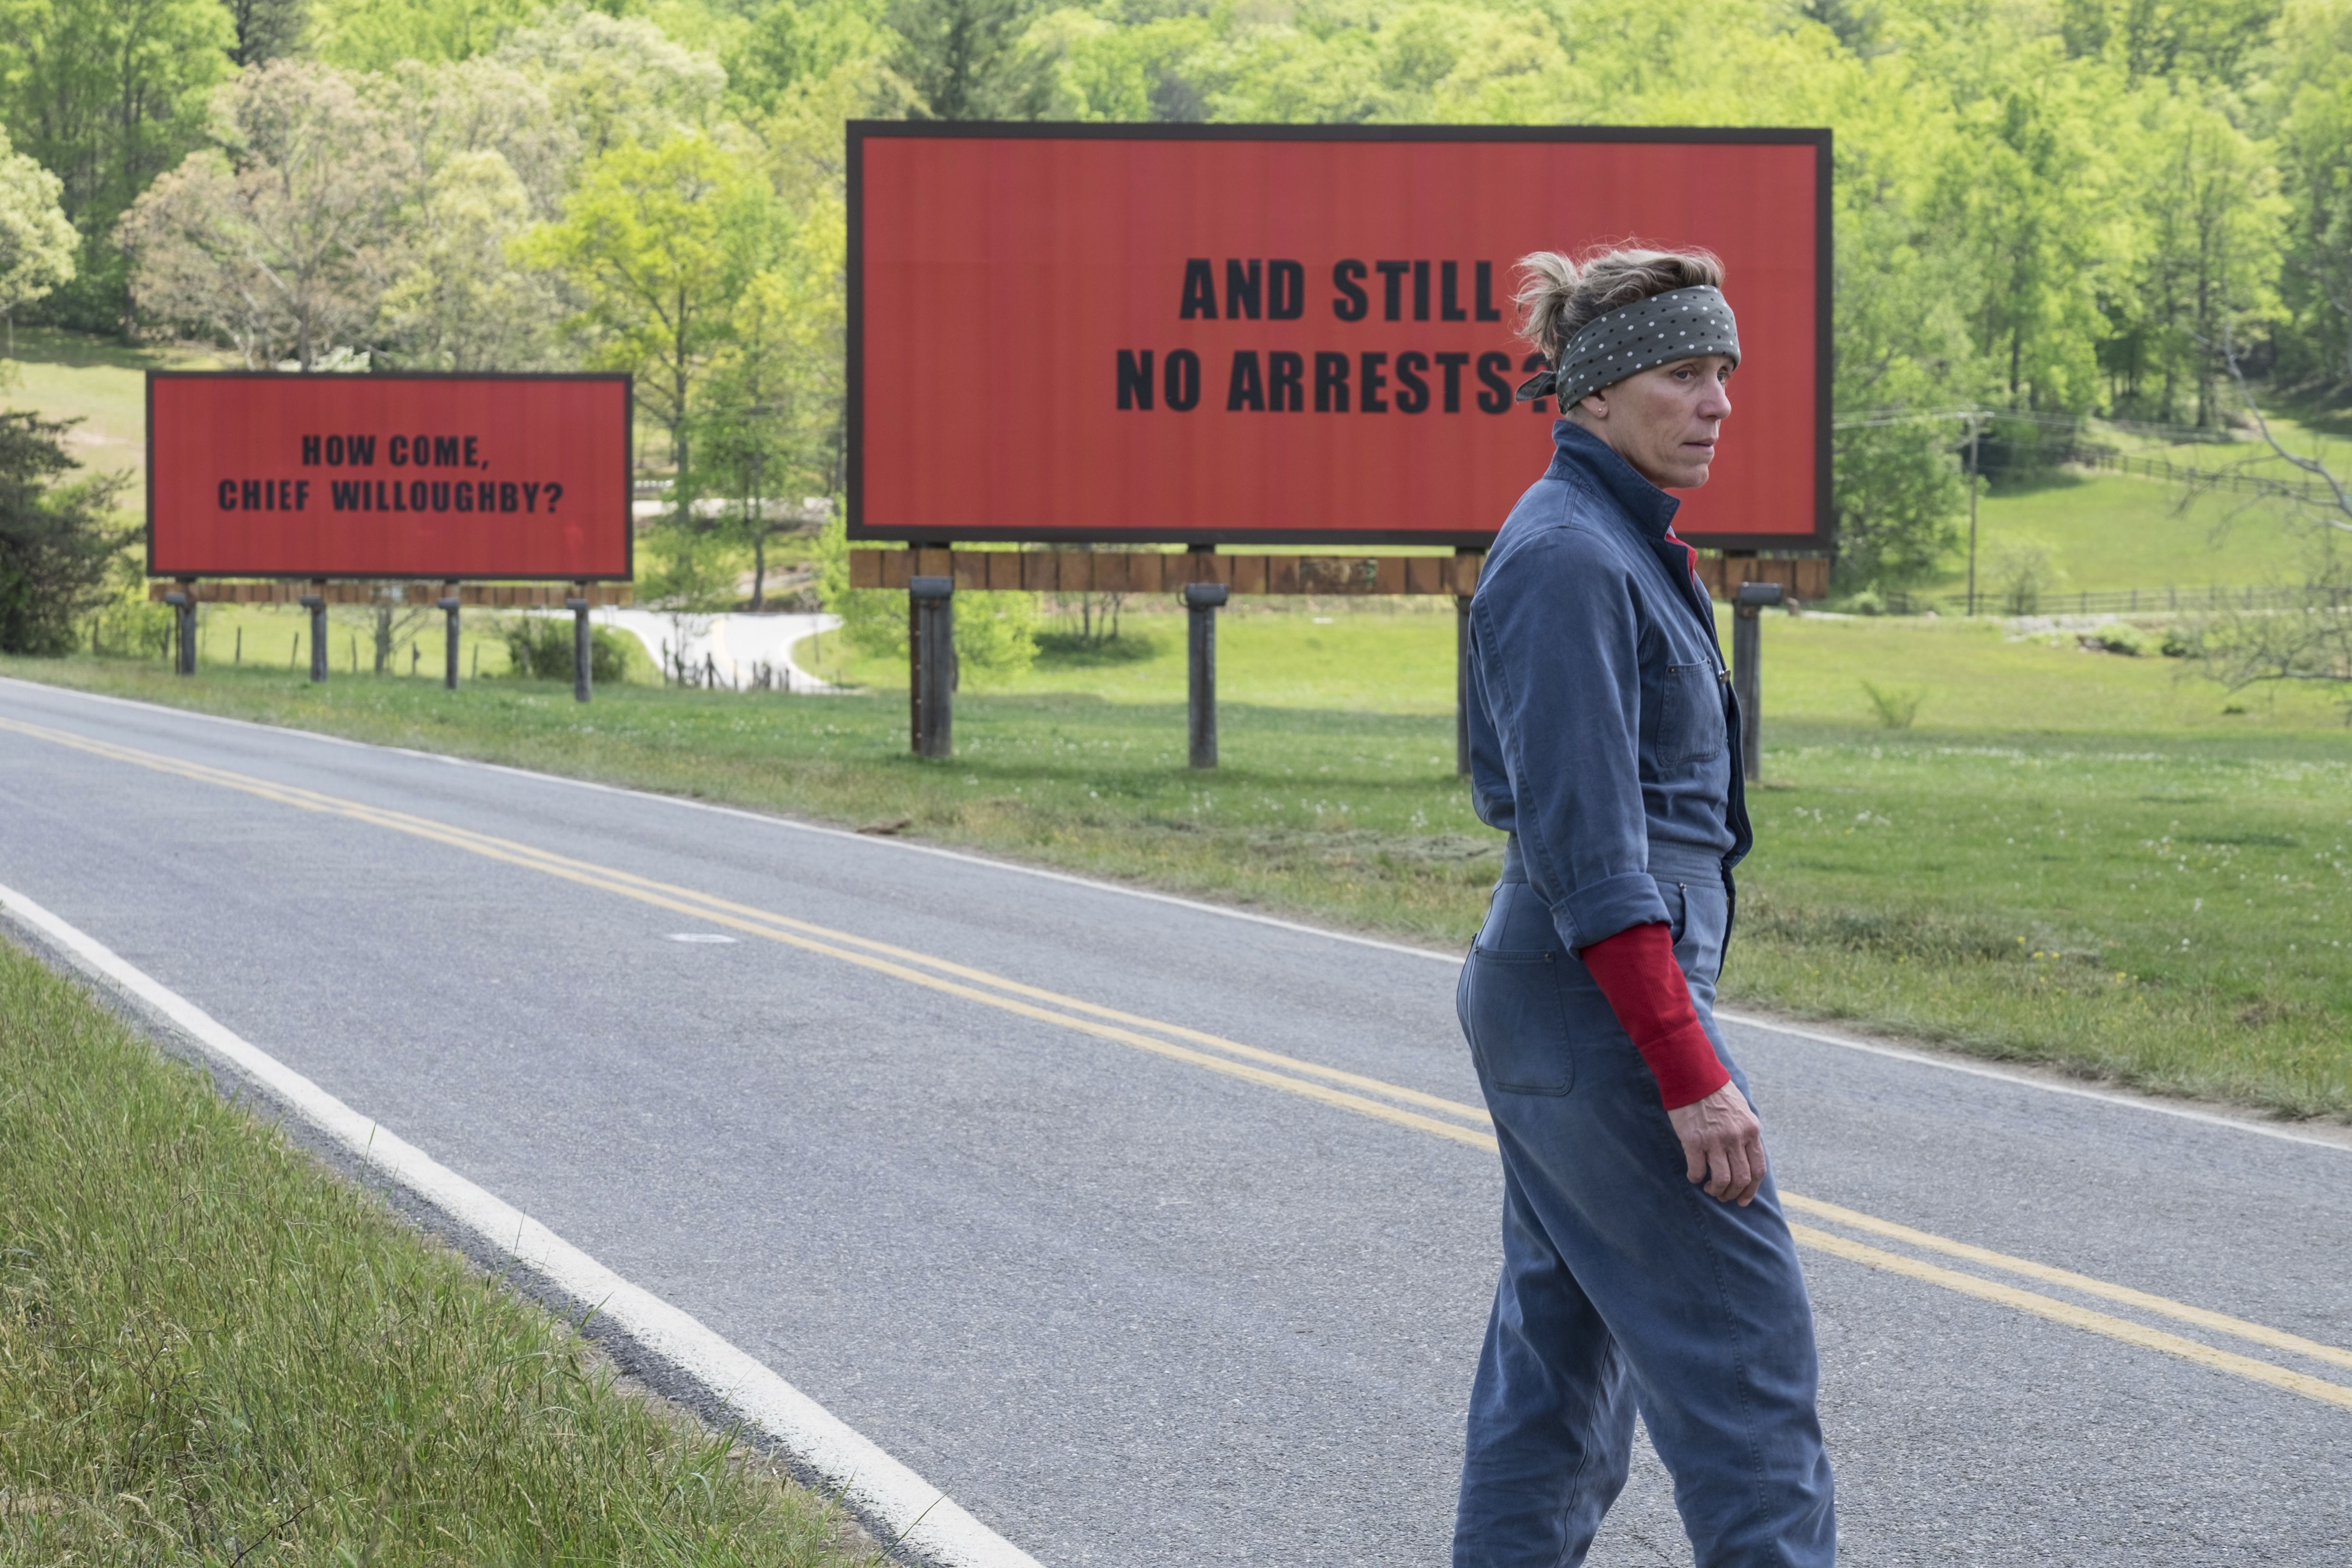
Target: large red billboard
<point x="1291" y="333"/>
<point x="273" y="474"/>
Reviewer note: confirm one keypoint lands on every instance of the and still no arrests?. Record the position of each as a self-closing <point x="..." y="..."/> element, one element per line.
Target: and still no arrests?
<point x="1285" y="381"/>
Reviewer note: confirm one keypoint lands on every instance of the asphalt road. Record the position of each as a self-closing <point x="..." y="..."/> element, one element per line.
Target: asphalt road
<point x="1130" y="1295"/>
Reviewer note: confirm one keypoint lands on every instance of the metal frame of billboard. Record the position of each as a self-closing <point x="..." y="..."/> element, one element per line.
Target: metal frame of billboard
<point x="628" y="467"/>
<point x="1822" y="539"/>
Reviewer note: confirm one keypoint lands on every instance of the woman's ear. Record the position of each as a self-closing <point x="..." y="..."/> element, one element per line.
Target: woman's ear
<point x="1595" y="403"/>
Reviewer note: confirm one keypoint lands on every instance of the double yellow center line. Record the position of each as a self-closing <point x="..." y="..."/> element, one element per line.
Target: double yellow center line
<point x="1365" y="1096"/>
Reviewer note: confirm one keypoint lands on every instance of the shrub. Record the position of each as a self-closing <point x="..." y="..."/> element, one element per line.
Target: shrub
<point x="55" y="537"/>
<point x="540" y="649"/>
<point x="1895" y="706"/>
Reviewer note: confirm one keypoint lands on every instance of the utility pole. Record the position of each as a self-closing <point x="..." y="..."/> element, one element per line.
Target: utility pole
<point x="1976" y="426"/>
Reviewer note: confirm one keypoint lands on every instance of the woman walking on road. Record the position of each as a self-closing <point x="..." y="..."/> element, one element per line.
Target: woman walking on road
<point x="1646" y="1264"/>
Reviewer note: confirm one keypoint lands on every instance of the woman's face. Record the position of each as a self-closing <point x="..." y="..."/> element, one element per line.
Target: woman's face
<point x="1664" y="421"/>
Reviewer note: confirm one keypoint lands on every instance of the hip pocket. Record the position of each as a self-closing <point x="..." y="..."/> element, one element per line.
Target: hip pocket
<point x="1511" y="1010"/>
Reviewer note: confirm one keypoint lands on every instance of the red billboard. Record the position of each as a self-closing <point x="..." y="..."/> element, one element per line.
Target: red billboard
<point x="1292" y="334"/>
<point x="253" y="474"/>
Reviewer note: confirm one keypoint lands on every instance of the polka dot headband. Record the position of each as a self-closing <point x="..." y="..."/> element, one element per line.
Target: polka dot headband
<point x="1681" y="323"/>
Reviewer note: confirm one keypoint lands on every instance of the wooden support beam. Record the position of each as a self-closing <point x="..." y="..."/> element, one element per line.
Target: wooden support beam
<point x="1166" y="571"/>
<point x="487" y="595"/>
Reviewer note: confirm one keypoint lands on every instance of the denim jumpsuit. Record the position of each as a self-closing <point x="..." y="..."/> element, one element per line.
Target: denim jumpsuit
<point x="1601" y="727"/>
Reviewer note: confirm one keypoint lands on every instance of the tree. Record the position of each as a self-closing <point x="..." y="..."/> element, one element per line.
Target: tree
<point x="448" y="110"/>
<point x="55" y="537"/>
<point x="788" y="43"/>
<point x="2211" y="219"/>
<point x="463" y="304"/>
<point x="378" y="34"/>
<point x="659" y="242"/>
<point x="105" y="94"/>
<point x="2308" y="104"/>
<point x="267" y="29"/>
<point x="283" y="239"/>
<point x="2027" y="188"/>
<point x="971" y="59"/>
<point x="749" y="452"/>
<point x="37" y="243"/>
<point x="616" y="80"/>
<point x="2305" y="643"/>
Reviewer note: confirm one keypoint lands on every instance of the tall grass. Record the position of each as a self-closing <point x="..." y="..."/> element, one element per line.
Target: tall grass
<point x="214" y="1351"/>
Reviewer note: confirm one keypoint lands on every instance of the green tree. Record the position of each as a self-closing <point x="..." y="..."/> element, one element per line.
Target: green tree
<point x="2307" y="102"/>
<point x="2206" y="40"/>
<point x="614" y="80"/>
<point x="658" y="242"/>
<point x="377" y="35"/>
<point x="56" y="538"/>
<point x="788" y="43"/>
<point x="105" y="94"/>
<point x="266" y="29"/>
<point x="281" y="239"/>
<point x="773" y="428"/>
<point x="482" y="105"/>
<point x="2027" y="186"/>
<point x="37" y="243"/>
<point x="2211" y="229"/>
<point x="971" y="59"/>
<point x="463" y="303"/>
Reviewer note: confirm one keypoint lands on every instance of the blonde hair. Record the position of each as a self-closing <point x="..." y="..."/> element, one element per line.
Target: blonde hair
<point x="1559" y="294"/>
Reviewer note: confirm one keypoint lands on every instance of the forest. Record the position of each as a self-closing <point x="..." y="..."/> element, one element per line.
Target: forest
<point x="2050" y="209"/>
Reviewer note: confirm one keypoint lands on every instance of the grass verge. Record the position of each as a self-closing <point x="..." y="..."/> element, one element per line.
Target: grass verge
<point x="213" y="1351"/>
<point x="2145" y="888"/>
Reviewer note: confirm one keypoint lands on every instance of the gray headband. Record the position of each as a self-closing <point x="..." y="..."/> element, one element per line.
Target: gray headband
<point x="1681" y="323"/>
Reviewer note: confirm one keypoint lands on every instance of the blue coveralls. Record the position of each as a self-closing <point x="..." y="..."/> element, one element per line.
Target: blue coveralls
<point x="1601" y="729"/>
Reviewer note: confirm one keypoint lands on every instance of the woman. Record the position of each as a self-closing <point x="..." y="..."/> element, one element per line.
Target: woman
<point x="1645" y="1262"/>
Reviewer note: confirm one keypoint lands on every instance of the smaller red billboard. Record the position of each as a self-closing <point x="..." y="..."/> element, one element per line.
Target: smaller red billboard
<point x="254" y="474"/>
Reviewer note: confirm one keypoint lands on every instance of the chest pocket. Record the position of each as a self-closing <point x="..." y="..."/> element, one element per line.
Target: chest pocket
<point x="1690" y="716"/>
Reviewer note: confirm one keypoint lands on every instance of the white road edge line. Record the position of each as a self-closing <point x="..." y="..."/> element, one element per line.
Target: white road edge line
<point x="906" y="1508"/>
<point x="1745" y="1020"/>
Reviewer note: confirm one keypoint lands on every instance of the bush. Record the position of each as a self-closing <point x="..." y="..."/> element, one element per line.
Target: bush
<point x="1866" y="602"/>
<point x="540" y="649"/>
<point x="2119" y="638"/>
<point x="54" y="539"/>
<point x="1895" y="706"/>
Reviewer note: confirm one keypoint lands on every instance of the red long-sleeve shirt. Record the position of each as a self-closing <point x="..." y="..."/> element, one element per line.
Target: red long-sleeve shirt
<point x="1646" y="989"/>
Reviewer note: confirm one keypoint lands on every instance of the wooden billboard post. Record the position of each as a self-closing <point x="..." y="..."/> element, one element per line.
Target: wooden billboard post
<point x="1202" y="603"/>
<point x="932" y="602"/>
<point x="448" y="604"/>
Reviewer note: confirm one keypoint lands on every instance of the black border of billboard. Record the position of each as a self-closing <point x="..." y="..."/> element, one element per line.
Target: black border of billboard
<point x="1822" y="540"/>
<point x="628" y="573"/>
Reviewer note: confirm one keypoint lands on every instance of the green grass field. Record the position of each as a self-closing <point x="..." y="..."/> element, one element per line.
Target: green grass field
<point x="2107" y="532"/>
<point x="211" y="1350"/>
<point x="2075" y="858"/>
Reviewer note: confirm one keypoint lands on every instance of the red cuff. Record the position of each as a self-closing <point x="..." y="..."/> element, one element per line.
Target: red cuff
<point x="1646" y="989"/>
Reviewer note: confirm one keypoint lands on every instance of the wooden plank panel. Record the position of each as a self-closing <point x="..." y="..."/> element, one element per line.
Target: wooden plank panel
<point x="1248" y="573"/>
<point x="1073" y="570"/>
<point x="865" y="569"/>
<point x="1282" y="574"/>
<point x="1420" y="574"/>
<point x="1388" y="574"/>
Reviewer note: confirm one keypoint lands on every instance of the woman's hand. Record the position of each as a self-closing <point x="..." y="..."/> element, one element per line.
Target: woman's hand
<point x="1723" y="1145"/>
